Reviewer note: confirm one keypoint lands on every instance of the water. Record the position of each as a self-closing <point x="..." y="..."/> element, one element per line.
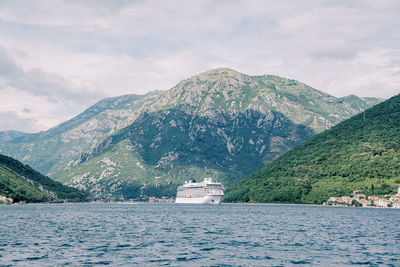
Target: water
<point x="197" y="235"/>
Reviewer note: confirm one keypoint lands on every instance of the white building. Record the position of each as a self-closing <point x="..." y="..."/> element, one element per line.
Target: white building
<point x="383" y="203"/>
<point x="396" y="205"/>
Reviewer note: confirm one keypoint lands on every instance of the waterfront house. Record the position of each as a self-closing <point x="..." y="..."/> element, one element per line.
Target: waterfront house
<point x="356" y="195"/>
<point x="383" y="203"/>
<point x="388" y="201"/>
<point x="335" y="200"/>
<point x="394" y="198"/>
<point x="396" y="205"/>
<point x="374" y="198"/>
<point x="364" y="202"/>
<point x="347" y="199"/>
<point x="359" y="196"/>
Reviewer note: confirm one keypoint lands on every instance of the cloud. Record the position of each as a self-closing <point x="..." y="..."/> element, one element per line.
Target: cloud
<point x="333" y="50"/>
<point x="41" y="112"/>
<point x="33" y="100"/>
<point x="73" y="52"/>
<point x="10" y="121"/>
<point x="38" y="82"/>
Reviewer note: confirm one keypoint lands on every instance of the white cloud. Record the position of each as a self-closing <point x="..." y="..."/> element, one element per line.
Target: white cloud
<point x="44" y="99"/>
<point x="10" y="120"/>
<point x="75" y="52"/>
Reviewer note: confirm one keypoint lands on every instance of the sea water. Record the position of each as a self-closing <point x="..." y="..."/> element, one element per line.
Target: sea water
<point x="197" y="235"/>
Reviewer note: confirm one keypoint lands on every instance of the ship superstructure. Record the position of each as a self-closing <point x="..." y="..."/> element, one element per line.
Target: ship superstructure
<point x="206" y="192"/>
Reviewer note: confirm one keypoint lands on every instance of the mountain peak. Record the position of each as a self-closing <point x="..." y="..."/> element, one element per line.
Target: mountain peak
<point x="234" y="92"/>
<point x="217" y="74"/>
<point x="221" y="71"/>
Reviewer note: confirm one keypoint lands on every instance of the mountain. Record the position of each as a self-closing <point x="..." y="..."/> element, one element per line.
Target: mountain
<point x="234" y="92"/>
<point x="21" y="183"/>
<point x="165" y="148"/>
<point x="220" y="123"/>
<point x="361" y="153"/>
<point x="47" y="151"/>
<point x="7" y="136"/>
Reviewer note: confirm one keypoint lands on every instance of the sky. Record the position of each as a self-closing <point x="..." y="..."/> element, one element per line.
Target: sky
<point x="57" y="57"/>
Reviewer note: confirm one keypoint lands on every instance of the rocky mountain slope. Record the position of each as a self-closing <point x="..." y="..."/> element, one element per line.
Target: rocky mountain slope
<point x="220" y="123"/>
<point x="165" y="148"/>
<point x="47" y="151"/>
<point x="21" y="183"/>
<point x="234" y="92"/>
<point x="361" y="153"/>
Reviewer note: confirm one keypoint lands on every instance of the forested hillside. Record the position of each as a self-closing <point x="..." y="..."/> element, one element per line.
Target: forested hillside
<point x="361" y="153"/>
<point x="21" y="183"/>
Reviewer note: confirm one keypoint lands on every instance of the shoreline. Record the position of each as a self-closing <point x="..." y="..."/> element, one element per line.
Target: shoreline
<point x="155" y="203"/>
<point x="310" y="205"/>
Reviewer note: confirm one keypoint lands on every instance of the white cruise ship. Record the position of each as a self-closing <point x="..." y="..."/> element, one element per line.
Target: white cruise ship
<point x="206" y="192"/>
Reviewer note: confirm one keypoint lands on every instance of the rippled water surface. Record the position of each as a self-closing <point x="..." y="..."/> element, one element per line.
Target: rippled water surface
<point x="197" y="235"/>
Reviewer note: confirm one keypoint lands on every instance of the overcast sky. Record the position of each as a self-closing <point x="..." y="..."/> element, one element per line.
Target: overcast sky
<point x="59" y="57"/>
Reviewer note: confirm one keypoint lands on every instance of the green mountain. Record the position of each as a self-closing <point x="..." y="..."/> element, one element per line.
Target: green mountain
<point x="360" y="153"/>
<point x="220" y="123"/>
<point x="21" y="183"/>
<point x="47" y="151"/>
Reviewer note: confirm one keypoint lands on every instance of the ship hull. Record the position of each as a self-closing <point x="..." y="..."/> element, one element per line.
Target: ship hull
<point x="200" y="200"/>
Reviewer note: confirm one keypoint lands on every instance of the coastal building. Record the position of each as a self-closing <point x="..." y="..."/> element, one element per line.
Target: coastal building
<point x="347" y="200"/>
<point x="381" y="202"/>
<point x="335" y="200"/>
<point x="162" y="199"/>
<point x="398" y="192"/>
<point x="356" y="198"/>
<point x="359" y="196"/>
<point x="356" y="195"/>
<point x="396" y="205"/>
<point x="373" y="198"/>
<point x="394" y="198"/>
<point x="364" y="202"/>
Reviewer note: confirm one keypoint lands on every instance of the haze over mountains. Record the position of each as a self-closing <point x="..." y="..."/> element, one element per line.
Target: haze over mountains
<point x="47" y="151"/>
<point x="220" y="123"/>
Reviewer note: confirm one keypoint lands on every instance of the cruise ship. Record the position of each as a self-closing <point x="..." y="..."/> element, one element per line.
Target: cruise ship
<point x="206" y="192"/>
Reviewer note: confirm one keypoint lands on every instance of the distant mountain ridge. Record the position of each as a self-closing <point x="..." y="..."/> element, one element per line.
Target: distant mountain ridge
<point x="210" y="110"/>
<point x="361" y="153"/>
<point x="7" y="136"/>
<point x="47" y="151"/>
<point x="22" y="183"/>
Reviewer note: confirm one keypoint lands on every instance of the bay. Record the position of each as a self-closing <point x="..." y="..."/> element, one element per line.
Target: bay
<point x="197" y="235"/>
